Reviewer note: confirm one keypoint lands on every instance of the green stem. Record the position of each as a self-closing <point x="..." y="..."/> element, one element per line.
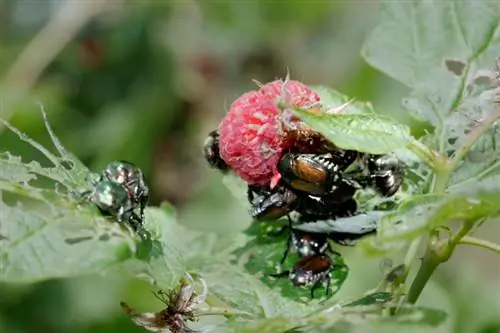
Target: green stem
<point x="480" y="243"/>
<point x="216" y="311"/>
<point x="429" y="264"/>
<point x="436" y="254"/>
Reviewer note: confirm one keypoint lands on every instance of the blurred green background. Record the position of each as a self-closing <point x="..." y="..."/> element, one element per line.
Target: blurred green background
<point x="146" y="81"/>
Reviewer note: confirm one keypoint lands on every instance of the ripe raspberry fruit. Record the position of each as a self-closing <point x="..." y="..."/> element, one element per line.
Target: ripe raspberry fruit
<point x="251" y="137"/>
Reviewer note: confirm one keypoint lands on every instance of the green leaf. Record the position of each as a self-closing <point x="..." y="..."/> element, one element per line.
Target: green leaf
<point x="330" y="98"/>
<point x="469" y="202"/>
<point x="262" y="257"/>
<point x="164" y="260"/>
<point x="409" y="219"/>
<point x="48" y="236"/>
<point x="237" y="187"/>
<point x="44" y="241"/>
<point x="398" y="227"/>
<point x="417" y="42"/>
<point x="370" y="133"/>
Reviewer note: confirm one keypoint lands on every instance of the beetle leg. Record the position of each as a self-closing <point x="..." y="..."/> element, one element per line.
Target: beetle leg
<point x="314" y="287"/>
<point x="83" y="196"/>
<point x="143" y="204"/>
<point x="120" y="214"/>
<point x="135" y="221"/>
<point x="280" y="275"/>
<point x="331" y="250"/>
<point x="287" y="249"/>
<point x="328" y="283"/>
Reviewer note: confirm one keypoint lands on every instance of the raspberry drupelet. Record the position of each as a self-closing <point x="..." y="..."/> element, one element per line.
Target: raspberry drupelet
<point x="252" y="136"/>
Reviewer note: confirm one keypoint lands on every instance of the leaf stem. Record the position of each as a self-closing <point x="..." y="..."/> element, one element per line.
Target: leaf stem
<point x="218" y="311"/>
<point x="410" y="256"/>
<point x="437" y="253"/>
<point x="423" y="152"/>
<point x="468" y="240"/>
<point x="429" y="264"/>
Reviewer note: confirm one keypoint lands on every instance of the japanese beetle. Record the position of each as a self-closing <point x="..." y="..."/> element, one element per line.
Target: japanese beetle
<point x="113" y="200"/>
<point x="131" y="178"/>
<point x="383" y="173"/>
<point x="386" y="173"/>
<point x="310" y="271"/>
<point x="211" y="152"/>
<point x="313" y="174"/>
<point x="270" y="204"/>
<point x="307" y="244"/>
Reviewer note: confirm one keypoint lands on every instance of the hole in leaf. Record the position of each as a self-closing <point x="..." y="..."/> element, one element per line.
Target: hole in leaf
<point x="455" y="66"/>
<point x="452" y="141"/>
<point x="104" y="237"/>
<point x="76" y="240"/>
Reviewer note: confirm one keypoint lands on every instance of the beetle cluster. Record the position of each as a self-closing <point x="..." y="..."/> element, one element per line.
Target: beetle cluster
<point x="318" y="185"/>
<point x="119" y="192"/>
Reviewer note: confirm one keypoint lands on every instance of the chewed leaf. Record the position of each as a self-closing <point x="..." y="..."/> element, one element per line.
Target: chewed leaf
<point x="45" y="242"/>
<point x="409" y="220"/>
<point x="330" y="98"/>
<point x="469" y="202"/>
<point x="404" y="47"/>
<point x="67" y="170"/>
<point x="370" y="133"/>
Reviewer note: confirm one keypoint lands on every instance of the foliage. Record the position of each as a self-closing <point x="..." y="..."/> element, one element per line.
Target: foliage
<point x="48" y="233"/>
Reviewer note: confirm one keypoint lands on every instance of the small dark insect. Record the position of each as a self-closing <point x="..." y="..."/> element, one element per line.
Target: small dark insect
<point x="270" y="204"/>
<point x="132" y="179"/>
<point x="179" y="309"/>
<point x="211" y="152"/>
<point x="307" y="244"/>
<point x="113" y="200"/>
<point x="384" y="173"/>
<point x="310" y="271"/>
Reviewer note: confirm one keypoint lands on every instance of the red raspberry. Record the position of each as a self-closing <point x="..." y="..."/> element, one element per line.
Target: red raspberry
<point x="251" y="140"/>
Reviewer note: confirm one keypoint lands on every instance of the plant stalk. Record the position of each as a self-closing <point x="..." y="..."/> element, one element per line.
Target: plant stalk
<point x="429" y="264"/>
<point x="468" y="240"/>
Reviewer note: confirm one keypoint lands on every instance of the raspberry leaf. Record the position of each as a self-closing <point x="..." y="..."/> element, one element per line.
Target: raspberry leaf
<point x="330" y="99"/>
<point x="48" y="231"/>
<point x="406" y="47"/>
<point x="370" y="133"/>
<point x="47" y="236"/>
